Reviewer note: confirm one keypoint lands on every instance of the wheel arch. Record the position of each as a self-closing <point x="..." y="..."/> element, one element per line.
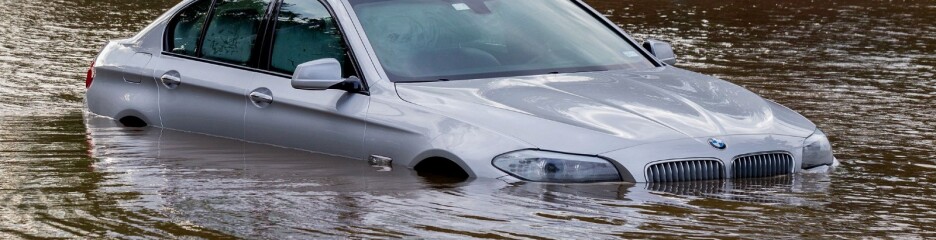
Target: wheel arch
<point x="437" y="158"/>
<point x="134" y="118"/>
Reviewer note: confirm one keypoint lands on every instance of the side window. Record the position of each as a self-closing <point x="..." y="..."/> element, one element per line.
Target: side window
<point x="185" y="28"/>
<point x="306" y="31"/>
<point x="232" y="33"/>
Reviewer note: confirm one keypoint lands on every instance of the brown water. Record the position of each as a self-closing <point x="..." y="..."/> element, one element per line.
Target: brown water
<point x="862" y="70"/>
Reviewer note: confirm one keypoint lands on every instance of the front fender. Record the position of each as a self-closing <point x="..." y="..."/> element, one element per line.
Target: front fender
<point x="409" y="133"/>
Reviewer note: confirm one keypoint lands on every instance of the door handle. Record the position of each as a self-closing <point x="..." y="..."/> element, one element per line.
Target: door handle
<point x="171" y="79"/>
<point x="261" y="97"/>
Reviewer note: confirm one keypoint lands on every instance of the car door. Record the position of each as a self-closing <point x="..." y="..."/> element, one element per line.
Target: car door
<point x="325" y="121"/>
<point x="209" y="58"/>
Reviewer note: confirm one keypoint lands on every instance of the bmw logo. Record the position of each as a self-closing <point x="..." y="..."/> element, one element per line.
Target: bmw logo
<point x="717" y="143"/>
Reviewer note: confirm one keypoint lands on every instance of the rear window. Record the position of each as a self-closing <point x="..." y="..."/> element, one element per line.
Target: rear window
<point x="232" y="33"/>
<point x="185" y="28"/>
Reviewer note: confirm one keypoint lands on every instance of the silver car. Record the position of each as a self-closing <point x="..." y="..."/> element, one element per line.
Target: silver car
<point x="545" y="91"/>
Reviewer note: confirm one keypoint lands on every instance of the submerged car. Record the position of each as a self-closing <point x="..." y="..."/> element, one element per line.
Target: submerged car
<point x="544" y="91"/>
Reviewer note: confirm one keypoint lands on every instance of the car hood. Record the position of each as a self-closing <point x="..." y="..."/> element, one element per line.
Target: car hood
<point x="608" y="110"/>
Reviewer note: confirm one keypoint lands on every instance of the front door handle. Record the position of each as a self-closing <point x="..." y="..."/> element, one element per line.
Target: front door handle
<point x="171" y="79"/>
<point x="261" y="97"/>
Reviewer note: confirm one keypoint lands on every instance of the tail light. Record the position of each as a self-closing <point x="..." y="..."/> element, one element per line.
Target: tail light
<point x="90" y="77"/>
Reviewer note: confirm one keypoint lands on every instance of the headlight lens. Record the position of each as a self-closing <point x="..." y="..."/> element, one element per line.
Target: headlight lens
<point x="543" y="166"/>
<point x="817" y="150"/>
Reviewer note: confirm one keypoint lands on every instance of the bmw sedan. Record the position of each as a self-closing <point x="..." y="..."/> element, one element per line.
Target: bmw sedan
<point x="543" y="91"/>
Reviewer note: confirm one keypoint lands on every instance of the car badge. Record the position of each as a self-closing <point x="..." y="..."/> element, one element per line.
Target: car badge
<point x="717" y="143"/>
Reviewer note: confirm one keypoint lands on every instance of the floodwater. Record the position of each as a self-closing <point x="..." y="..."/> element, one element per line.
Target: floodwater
<point x="862" y="70"/>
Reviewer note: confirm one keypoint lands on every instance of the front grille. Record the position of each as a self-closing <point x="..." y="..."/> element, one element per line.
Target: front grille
<point x="685" y="170"/>
<point x="762" y="165"/>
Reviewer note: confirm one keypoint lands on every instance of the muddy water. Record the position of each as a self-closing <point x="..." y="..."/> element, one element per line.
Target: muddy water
<point x="862" y="70"/>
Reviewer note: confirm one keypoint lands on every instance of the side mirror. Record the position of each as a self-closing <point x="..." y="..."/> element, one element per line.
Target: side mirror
<point x="662" y="50"/>
<point x="317" y="75"/>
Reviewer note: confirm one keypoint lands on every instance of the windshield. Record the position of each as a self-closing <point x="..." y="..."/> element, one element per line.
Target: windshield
<point x="430" y="40"/>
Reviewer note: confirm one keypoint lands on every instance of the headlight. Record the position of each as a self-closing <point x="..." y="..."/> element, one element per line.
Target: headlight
<point x="817" y="150"/>
<point x="542" y="166"/>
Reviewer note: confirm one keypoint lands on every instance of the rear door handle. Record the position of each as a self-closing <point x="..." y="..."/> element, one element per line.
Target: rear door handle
<point x="261" y="97"/>
<point x="171" y="79"/>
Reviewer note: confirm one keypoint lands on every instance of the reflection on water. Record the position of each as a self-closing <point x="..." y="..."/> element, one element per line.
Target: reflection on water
<point x="862" y="70"/>
<point x="153" y="182"/>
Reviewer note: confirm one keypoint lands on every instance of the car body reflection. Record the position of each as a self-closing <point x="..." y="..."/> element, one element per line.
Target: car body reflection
<point x="218" y="158"/>
<point x="780" y="189"/>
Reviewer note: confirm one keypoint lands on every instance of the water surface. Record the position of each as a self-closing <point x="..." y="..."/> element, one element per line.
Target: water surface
<point x="862" y="70"/>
